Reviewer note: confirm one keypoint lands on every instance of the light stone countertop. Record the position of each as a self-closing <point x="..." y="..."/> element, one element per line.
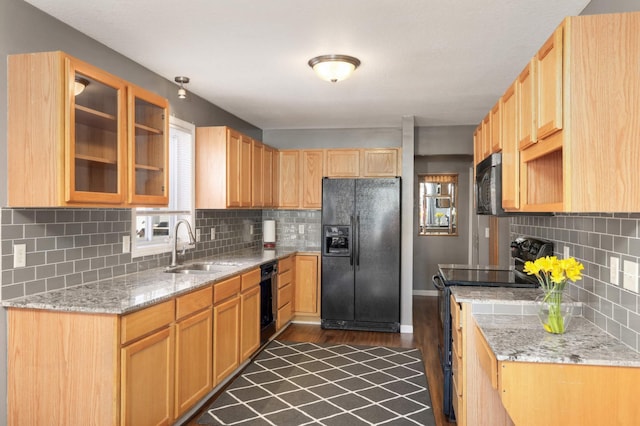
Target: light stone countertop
<point x="520" y="337"/>
<point x="128" y="293"/>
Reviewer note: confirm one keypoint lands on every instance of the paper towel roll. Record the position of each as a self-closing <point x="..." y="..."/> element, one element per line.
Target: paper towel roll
<point x="269" y="233"/>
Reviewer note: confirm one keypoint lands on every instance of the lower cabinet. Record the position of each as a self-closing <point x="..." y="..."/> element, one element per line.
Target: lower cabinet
<point x="306" y="295"/>
<point x="147" y="380"/>
<point x="250" y="314"/>
<point x="285" y="294"/>
<point x="226" y="328"/>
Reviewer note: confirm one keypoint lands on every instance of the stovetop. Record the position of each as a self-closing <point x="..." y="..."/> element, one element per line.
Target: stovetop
<point x="482" y="275"/>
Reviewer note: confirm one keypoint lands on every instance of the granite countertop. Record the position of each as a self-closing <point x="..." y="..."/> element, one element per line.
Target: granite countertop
<point x="520" y="337"/>
<point x="127" y="293"/>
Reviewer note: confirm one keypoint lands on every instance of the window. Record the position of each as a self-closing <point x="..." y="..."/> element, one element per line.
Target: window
<point x="438" y="204"/>
<point x="151" y="227"/>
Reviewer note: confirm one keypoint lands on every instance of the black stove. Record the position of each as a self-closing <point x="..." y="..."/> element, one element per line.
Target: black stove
<point x="523" y="249"/>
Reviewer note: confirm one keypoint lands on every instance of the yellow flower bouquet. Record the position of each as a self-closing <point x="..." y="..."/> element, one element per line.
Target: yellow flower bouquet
<point x="552" y="274"/>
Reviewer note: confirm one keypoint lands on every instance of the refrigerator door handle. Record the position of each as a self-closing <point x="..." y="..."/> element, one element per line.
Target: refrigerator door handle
<point x="351" y="248"/>
<point x="358" y="240"/>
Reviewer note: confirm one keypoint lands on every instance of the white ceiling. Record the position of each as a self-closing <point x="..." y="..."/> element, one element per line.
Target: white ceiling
<point x="444" y="62"/>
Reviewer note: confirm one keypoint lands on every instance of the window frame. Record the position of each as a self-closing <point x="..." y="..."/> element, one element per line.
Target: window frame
<point x="166" y="246"/>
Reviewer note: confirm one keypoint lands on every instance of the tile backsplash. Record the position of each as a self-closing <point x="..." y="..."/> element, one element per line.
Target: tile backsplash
<point x="68" y="247"/>
<point x="593" y="239"/>
<point x="290" y="223"/>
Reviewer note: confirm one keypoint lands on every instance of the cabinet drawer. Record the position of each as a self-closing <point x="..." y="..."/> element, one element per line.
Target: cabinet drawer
<point x="147" y="320"/>
<point x="250" y="279"/>
<point x="284" y="315"/>
<point x="193" y="302"/>
<point x="487" y="359"/>
<point x="284" y="295"/>
<point x="226" y="289"/>
<point x="458" y="373"/>
<point x="455" y="313"/>
<point x="284" y="279"/>
<point x="285" y="264"/>
<point x="458" y="405"/>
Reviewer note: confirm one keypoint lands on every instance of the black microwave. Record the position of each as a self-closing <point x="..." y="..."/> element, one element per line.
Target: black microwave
<point x="489" y="186"/>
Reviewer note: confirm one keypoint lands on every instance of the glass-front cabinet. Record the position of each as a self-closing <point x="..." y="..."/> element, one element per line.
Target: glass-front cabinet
<point x="95" y="143"/>
<point x="148" y="150"/>
<point x="80" y="136"/>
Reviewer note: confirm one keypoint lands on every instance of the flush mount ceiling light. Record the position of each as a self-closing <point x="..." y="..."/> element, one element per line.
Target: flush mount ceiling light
<point x="79" y="85"/>
<point x="334" y="68"/>
<point x="182" y="92"/>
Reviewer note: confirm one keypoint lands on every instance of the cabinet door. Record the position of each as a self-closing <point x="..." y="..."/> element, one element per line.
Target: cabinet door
<point x="96" y="136"/>
<point x="343" y="163"/>
<point x="194" y="348"/>
<point x="266" y="180"/>
<point x="526" y="109"/>
<point x="495" y="121"/>
<point x="289" y="190"/>
<point x="147" y="376"/>
<point x="477" y="145"/>
<point x="233" y="168"/>
<point x="246" y="181"/>
<point x="257" y="174"/>
<point x="380" y="163"/>
<point x="148" y="157"/>
<point x="549" y="85"/>
<point x="486" y="136"/>
<point x="306" y="285"/>
<point x="276" y="178"/>
<point x="312" y="162"/>
<point x="250" y="324"/>
<point x="226" y="335"/>
<point x="510" y="152"/>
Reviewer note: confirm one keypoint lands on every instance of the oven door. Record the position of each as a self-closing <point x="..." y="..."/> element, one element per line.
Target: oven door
<point x="443" y="308"/>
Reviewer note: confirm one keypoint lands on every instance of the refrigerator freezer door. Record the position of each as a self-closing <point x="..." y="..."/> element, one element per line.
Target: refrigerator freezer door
<point x="377" y="235"/>
<point x="338" y="201"/>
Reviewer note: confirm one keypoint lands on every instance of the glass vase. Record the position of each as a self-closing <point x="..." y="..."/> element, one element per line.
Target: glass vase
<point x="555" y="310"/>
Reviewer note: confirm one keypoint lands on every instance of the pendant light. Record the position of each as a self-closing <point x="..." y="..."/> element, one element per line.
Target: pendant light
<point x="182" y="92"/>
<point x="334" y="68"/>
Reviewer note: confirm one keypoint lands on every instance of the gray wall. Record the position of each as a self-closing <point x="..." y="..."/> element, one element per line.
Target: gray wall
<point x="445" y="140"/>
<point x="333" y="138"/>
<point x="429" y="250"/>
<point x="611" y="6"/>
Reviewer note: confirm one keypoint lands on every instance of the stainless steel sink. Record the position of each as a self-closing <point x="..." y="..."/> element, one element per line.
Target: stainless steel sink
<point x="202" y="267"/>
<point x="195" y="268"/>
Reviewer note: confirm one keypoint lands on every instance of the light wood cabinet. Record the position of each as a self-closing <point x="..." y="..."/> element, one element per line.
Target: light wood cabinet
<point x="342" y="163"/>
<point x="510" y="151"/>
<point x="381" y="163"/>
<point x="289" y="178"/>
<point x="194" y="348"/>
<point x="267" y="179"/>
<point x="306" y="295"/>
<point x="285" y="297"/>
<point x="311" y="169"/>
<point x="549" y="74"/>
<point x="223" y="168"/>
<point x="495" y="122"/>
<point x="226" y="328"/>
<point x="250" y="314"/>
<point x="75" y="150"/>
<point x="477" y="146"/>
<point x="526" y="95"/>
<point x="486" y="136"/>
<point x="458" y="359"/>
<point x="257" y="174"/>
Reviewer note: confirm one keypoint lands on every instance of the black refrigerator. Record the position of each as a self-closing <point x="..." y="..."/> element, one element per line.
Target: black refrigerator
<point x="361" y="254"/>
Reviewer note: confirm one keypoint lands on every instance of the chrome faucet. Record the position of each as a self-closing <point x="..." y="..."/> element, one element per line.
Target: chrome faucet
<point x="192" y="240"/>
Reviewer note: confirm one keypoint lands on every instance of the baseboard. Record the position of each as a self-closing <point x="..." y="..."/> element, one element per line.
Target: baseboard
<point x="406" y="329"/>
<point x="433" y="293"/>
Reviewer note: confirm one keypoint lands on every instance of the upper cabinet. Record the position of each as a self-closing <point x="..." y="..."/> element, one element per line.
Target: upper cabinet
<point x="79" y="136"/>
<point x="363" y="162"/>
<point x="301" y="179"/>
<point x="576" y="119"/>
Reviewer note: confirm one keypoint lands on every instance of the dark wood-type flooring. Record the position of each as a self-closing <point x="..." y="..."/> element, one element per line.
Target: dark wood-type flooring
<point x="425" y="337"/>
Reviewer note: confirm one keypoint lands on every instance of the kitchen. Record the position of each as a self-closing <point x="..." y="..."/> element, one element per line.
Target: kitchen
<point x="615" y="233"/>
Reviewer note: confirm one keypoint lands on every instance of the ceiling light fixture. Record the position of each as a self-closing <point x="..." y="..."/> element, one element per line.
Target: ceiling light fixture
<point x="182" y="92"/>
<point x="79" y="85"/>
<point x="334" y="68"/>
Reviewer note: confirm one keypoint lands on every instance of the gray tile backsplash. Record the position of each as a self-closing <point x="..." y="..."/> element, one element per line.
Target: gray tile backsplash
<point x="288" y="229"/>
<point x="68" y="247"/>
<point x="593" y="239"/>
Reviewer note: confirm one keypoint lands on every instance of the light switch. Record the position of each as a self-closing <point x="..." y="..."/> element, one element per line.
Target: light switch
<point x="197" y="235"/>
<point x="630" y="276"/>
<point x="251" y="229"/>
<point x="213" y="233"/>
<point x="126" y="244"/>
<point x="19" y="255"/>
<point x="614" y="270"/>
<point x="300" y="229"/>
<point x="566" y="253"/>
<point x="486" y="233"/>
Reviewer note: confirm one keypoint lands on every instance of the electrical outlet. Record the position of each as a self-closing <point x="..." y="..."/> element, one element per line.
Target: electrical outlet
<point x="197" y="235"/>
<point x="614" y="270"/>
<point x="126" y="244"/>
<point x="300" y="229"/>
<point x="19" y="255"/>
<point x="487" y="233"/>
<point x="213" y="233"/>
<point x="630" y="276"/>
<point x="566" y="253"/>
<point x="251" y="229"/>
